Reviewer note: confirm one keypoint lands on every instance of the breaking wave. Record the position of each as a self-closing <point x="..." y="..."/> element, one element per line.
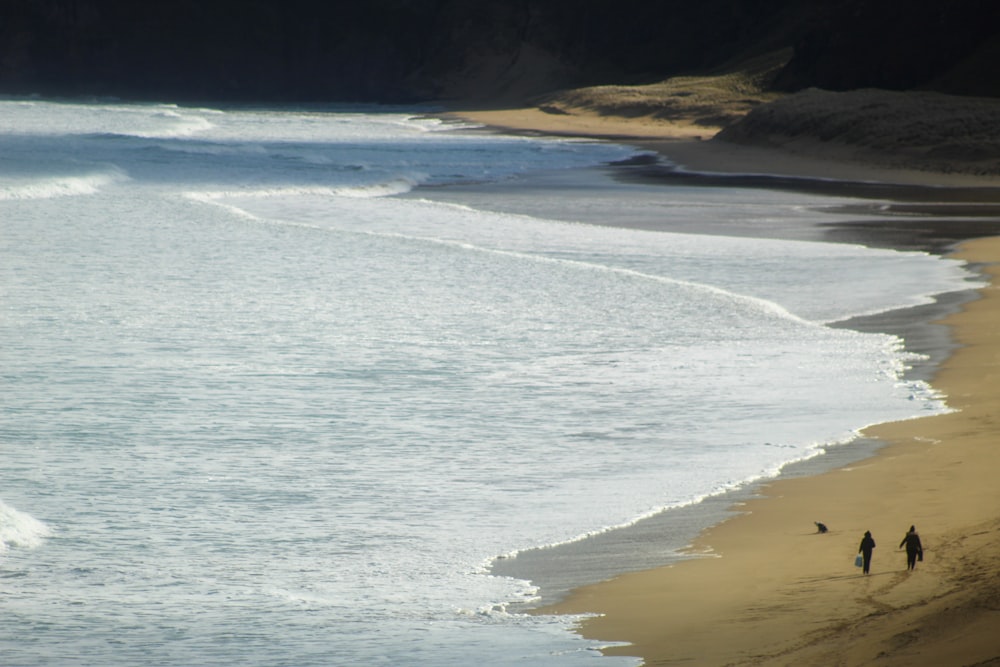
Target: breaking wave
<point x="18" y="529"/>
<point x="62" y="186"/>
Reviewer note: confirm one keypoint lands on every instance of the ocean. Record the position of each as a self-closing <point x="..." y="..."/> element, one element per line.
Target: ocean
<point x="273" y="395"/>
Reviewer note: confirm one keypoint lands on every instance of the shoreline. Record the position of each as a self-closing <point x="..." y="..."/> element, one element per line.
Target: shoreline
<point x="737" y="607"/>
<point x="693" y="148"/>
<point x="775" y="593"/>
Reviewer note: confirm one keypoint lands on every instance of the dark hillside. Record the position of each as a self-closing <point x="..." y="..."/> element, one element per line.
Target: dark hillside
<point x="950" y="46"/>
<point x="407" y="50"/>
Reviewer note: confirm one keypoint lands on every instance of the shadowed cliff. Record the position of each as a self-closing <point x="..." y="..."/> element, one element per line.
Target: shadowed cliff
<point x="412" y="50"/>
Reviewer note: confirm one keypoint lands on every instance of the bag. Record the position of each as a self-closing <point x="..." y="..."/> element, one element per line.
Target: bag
<point x="858" y="561"/>
<point x="920" y="555"/>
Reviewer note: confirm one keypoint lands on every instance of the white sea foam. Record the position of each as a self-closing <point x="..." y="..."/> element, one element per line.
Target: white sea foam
<point x="20" y="530"/>
<point x="60" y="186"/>
<point x="109" y="120"/>
<point x="175" y="124"/>
<point x="394" y="187"/>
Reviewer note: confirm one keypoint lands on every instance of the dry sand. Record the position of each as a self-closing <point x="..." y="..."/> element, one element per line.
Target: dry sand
<point x="770" y="590"/>
<point x="682" y="107"/>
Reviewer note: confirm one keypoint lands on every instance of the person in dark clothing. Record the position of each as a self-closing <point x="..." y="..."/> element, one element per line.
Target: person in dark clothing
<point x="914" y="549"/>
<point x="867" y="544"/>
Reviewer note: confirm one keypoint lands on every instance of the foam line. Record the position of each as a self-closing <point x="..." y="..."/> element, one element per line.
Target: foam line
<point x="394" y="186"/>
<point x="760" y="305"/>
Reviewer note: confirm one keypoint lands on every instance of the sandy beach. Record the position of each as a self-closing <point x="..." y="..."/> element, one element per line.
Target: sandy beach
<point x="771" y="591"/>
<point x="764" y="587"/>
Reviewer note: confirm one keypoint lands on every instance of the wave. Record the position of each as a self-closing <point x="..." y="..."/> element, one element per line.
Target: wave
<point x="395" y="186"/>
<point x="166" y="123"/>
<point x="62" y="186"/>
<point x="18" y="529"/>
<point x="178" y="125"/>
<point x="213" y="148"/>
<point x="256" y="151"/>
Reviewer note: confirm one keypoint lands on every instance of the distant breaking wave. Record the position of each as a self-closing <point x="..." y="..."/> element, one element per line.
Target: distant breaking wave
<point x="61" y="186"/>
<point x="176" y="125"/>
<point x="388" y="188"/>
<point x="163" y="124"/>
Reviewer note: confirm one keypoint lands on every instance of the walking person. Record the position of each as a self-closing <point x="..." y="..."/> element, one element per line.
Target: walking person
<point x="867" y="544"/>
<point x="914" y="549"/>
